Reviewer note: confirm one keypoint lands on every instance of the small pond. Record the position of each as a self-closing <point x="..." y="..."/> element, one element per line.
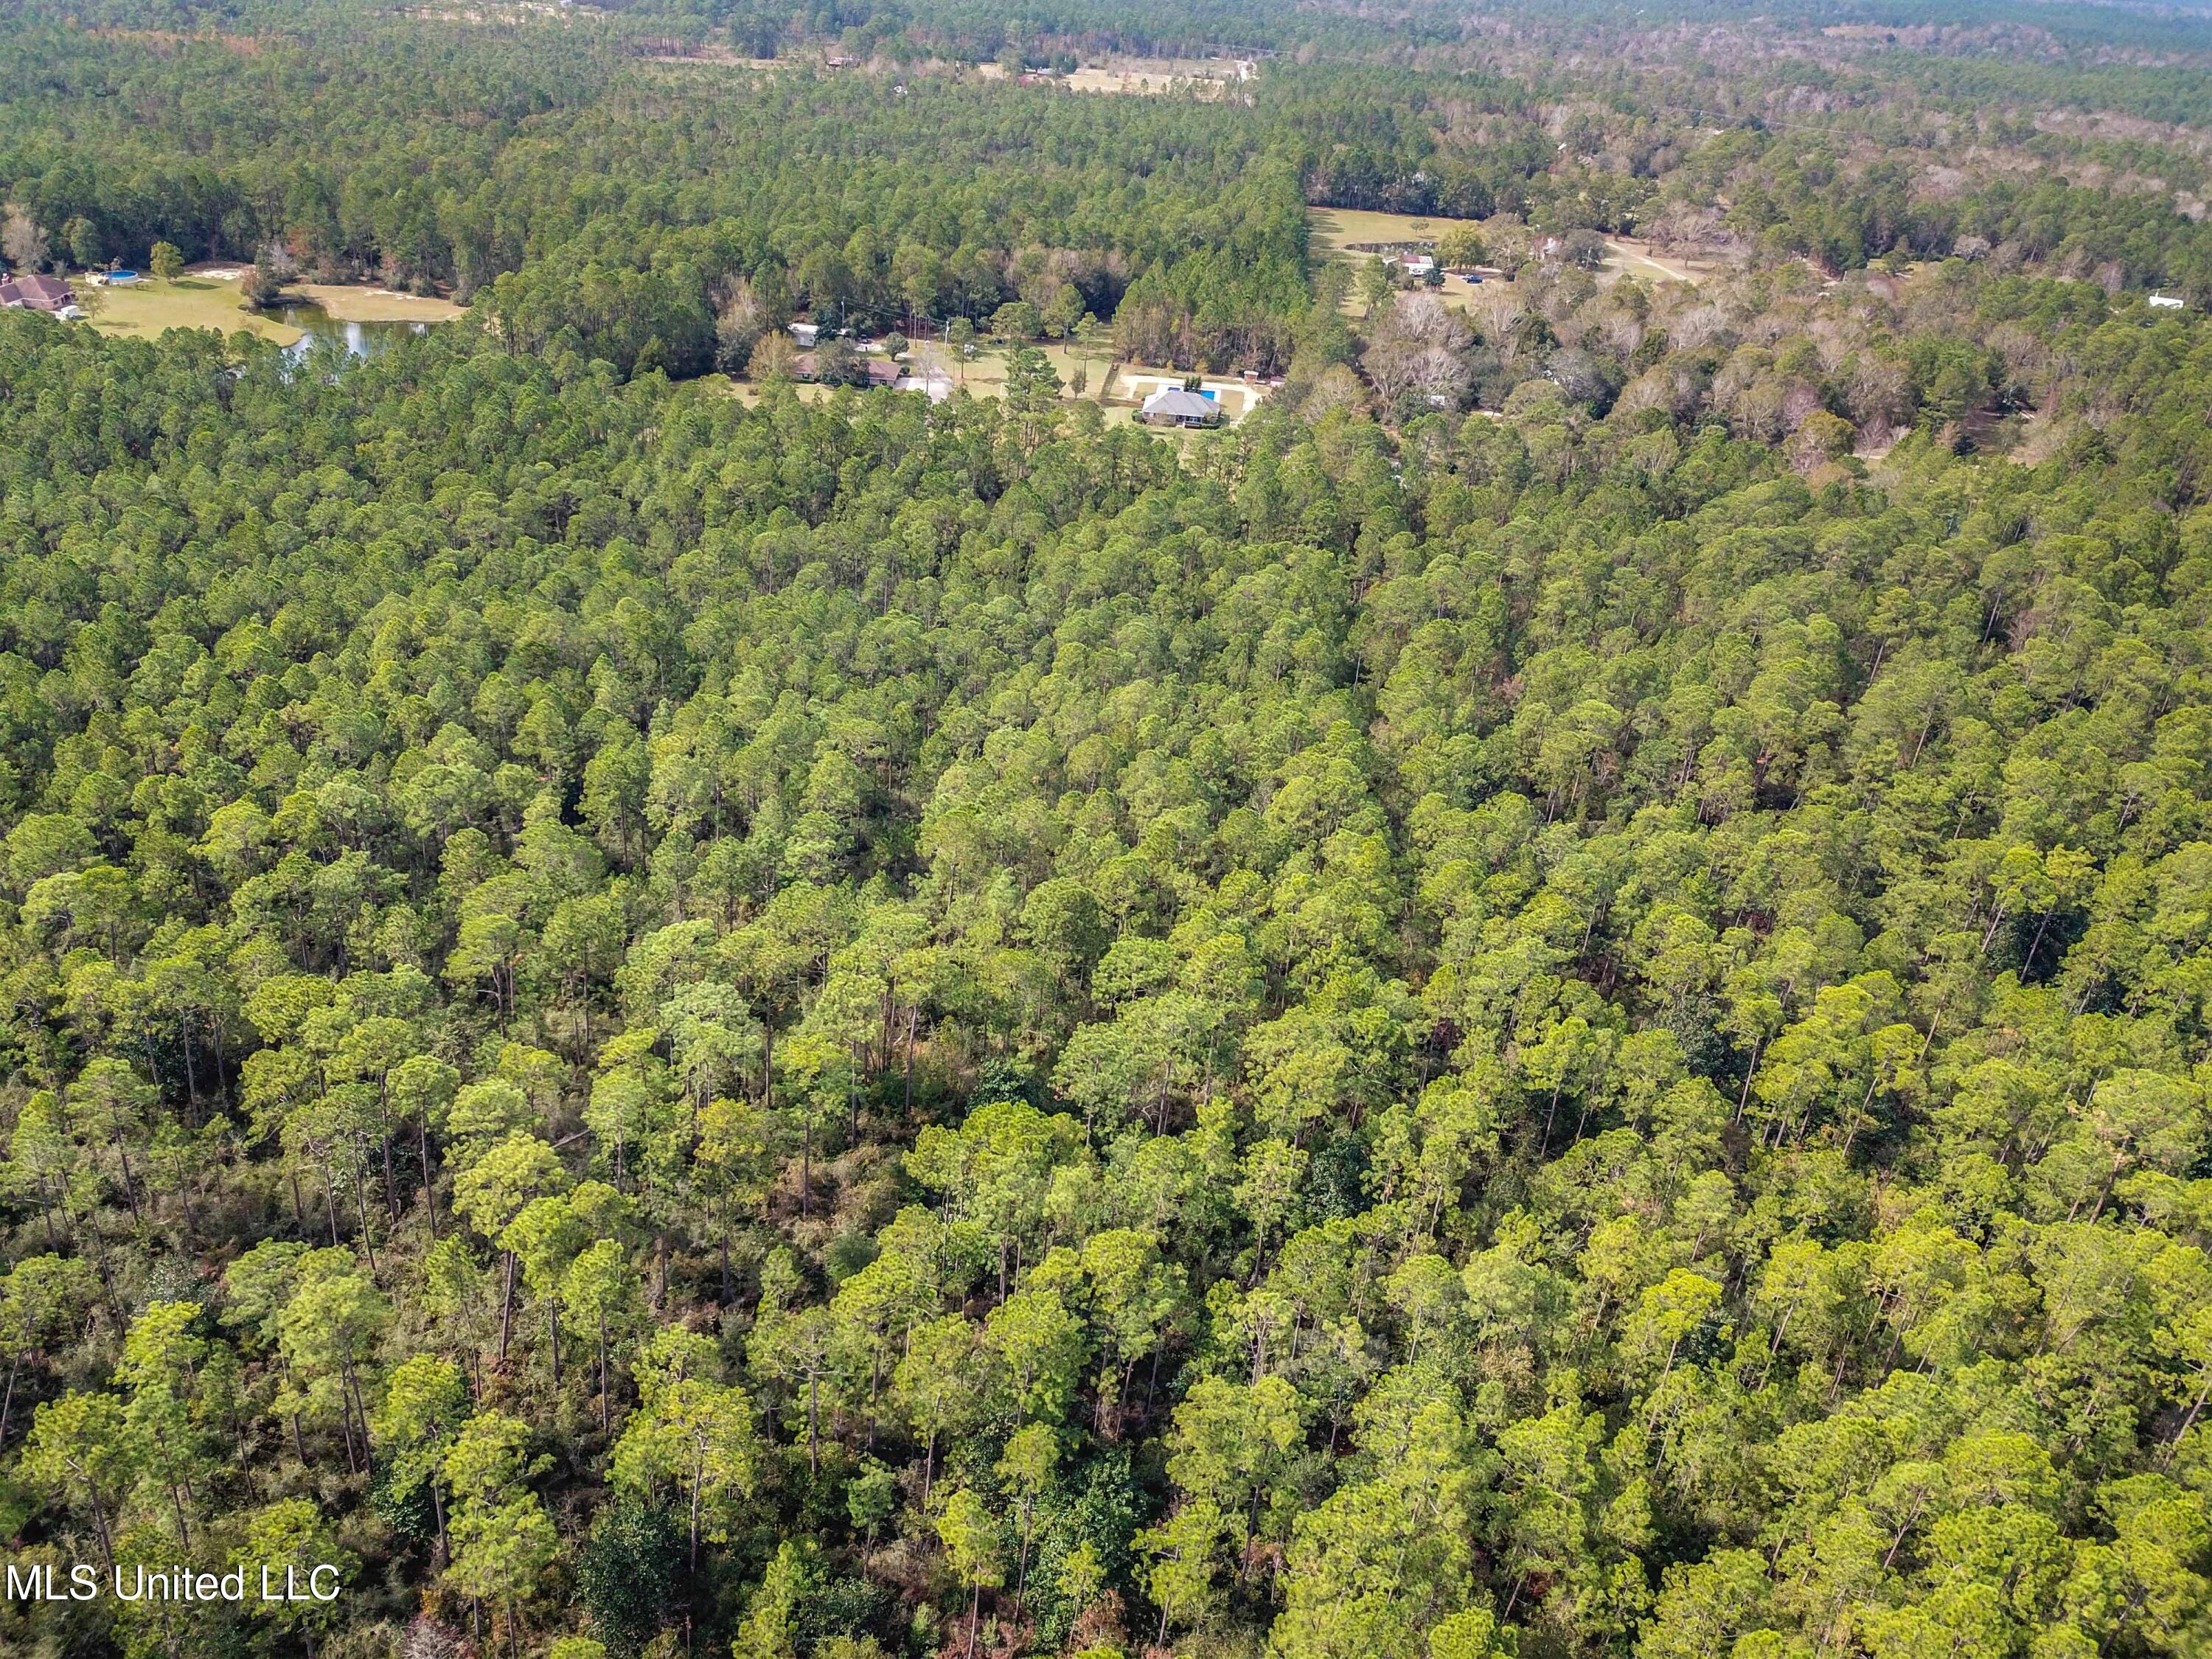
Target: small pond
<point x="359" y="339"/>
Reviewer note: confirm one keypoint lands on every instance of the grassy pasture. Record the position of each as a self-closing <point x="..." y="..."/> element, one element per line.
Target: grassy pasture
<point x="196" y="300"/>
<point x="1334" y="229"/>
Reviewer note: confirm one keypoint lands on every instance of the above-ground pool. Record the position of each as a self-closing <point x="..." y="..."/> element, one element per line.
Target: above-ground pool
<point x="122" y="276"/>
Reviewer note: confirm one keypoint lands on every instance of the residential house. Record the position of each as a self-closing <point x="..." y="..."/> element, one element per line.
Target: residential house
<point x="2167" y="302"/>
<point x="37" y="293"/>
<point x="1174" y="406"/>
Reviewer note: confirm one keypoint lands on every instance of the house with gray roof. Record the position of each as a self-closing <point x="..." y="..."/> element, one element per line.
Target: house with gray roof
<point x="1174" y="406"/>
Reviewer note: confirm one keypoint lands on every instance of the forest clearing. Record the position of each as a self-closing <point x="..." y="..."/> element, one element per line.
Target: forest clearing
<point x="204" y="298"/>
<point x="207" y="296"/>
<point x="1202" y="77"/>
<point x="1335" y="230"/>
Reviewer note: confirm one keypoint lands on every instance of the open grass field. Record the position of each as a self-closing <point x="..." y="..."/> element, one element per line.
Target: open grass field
<point x="349" y="302"/>
<point x="1142" y="76"/>
<point x="1334" y="229"/>
<point x="207" y="297"/>
<point x="1633" y="258"/>
<point x="749" y="394"/>
<point x="985" y="376"/>
<point x="147" y="307"/>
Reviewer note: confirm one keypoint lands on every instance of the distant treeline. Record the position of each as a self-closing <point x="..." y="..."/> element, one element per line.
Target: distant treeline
<point x="548" y="168"/>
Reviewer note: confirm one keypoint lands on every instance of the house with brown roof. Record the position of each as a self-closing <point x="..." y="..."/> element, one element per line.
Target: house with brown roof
<point x="37" y="293"/>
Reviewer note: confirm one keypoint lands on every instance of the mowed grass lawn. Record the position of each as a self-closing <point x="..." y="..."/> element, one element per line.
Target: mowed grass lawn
<point x="1336" y="227"/>
<point x="984" y="374"/>
<point x="147" y="306"/>
<point x="986" y="377"/>
<point x="203" y="298"/>
<point x="352" y="302"/>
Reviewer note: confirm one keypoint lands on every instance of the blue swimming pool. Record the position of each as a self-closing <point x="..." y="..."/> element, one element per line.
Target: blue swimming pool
<point x="122" y="276"/>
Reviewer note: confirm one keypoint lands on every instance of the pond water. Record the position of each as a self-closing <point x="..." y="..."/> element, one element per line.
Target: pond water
<point x="359" y="339"/>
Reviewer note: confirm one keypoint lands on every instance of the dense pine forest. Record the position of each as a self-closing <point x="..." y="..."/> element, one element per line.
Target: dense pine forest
<point x="1549" y="1000"/>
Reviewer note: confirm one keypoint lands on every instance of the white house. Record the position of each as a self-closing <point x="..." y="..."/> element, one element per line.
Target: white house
<point x="806" y="334"/>
<point x="2167" y="302"/>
